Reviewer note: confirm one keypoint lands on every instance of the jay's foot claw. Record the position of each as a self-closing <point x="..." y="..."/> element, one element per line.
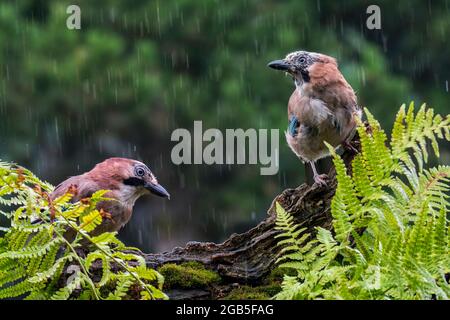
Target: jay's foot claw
<point x="349" y="147"/>
<point x="321" y="180"/>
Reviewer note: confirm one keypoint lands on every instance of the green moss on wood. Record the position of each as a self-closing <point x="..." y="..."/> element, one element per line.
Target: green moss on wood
<point x="277" y="275"/>
<point x="253" y="293"/>
<point x="194" y="275"/>
<point x="188" y="275"/>
<point x="269" y="287"/>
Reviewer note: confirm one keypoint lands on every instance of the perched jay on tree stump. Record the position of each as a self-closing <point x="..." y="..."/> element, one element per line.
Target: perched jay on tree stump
<point x="323" y="107"/>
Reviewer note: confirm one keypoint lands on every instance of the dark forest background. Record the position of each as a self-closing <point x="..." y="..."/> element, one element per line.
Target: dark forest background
<point x="138" y="69"/>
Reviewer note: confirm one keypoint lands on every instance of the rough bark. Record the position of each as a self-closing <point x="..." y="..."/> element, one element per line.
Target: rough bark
<point x="248" y="257"/>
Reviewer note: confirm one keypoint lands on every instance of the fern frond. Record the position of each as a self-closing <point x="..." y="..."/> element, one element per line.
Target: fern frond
<point x="390" y="220"/>
<point x="36" y="259"/>
<point x="411" y="132"/>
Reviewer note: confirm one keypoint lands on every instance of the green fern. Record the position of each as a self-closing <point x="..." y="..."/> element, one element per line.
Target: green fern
<point x="38" y="262"/>
<point x="391" y="230"/>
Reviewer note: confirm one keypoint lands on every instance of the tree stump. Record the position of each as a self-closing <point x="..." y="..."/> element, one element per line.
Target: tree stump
<point x="248" y="257"/>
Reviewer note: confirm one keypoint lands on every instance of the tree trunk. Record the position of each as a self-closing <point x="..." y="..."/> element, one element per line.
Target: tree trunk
<point x="248" y="257"/>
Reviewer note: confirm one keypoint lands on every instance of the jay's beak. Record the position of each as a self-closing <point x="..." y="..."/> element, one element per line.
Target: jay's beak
<point x="280" y="65"/>
<point x="157" y="189"/>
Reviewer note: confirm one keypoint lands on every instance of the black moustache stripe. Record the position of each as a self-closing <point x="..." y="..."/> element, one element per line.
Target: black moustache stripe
<point x="305" y="76"/>
<point x="133" y="181"/>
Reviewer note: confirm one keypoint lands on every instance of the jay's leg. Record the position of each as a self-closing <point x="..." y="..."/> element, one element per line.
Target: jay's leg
<point x="348" y="145"/>
<point x="320" y="179"/>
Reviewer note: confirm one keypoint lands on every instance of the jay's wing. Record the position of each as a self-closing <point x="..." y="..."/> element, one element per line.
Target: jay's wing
<point x="293" y="126"/>
<point x="294" y="102"/>
<point x="79" y="186"/>
<point x="293" y="122"/>
<point x="76" y="185"/>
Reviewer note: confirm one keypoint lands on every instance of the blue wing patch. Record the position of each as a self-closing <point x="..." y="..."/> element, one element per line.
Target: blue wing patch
<point x="293" y="126"/>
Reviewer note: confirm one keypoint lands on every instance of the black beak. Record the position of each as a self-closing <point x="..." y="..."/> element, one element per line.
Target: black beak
<point x="158" y="190"/>
<point x="280" y="65"/>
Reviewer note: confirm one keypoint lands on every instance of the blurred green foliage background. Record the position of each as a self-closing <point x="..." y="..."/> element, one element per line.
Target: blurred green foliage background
<point x="139" y="69"/>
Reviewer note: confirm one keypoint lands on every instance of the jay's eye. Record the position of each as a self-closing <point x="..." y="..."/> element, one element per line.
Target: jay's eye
<point x="302" y="60"/>
<point x="140" y="172"/>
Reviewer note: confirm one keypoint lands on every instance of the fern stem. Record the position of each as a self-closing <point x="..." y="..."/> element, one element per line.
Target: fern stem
<point x="123" y="265"/>
<point x="86" y="272"/>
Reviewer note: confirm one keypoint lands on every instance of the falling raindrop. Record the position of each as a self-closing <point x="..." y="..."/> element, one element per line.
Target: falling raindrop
<point x="182" y="180"/>
<point x="158" y="18"/>
<point x="140" y="237"/>
<point x="363" y="76"/>
<point x="112" y="14"/>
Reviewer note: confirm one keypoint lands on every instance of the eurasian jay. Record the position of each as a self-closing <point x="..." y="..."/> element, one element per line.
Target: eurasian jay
<point x="126" y="179"/>
<point x="323" y="107"/>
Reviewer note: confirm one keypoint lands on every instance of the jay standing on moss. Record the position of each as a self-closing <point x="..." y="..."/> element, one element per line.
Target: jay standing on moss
<point x="323" y="107"/>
